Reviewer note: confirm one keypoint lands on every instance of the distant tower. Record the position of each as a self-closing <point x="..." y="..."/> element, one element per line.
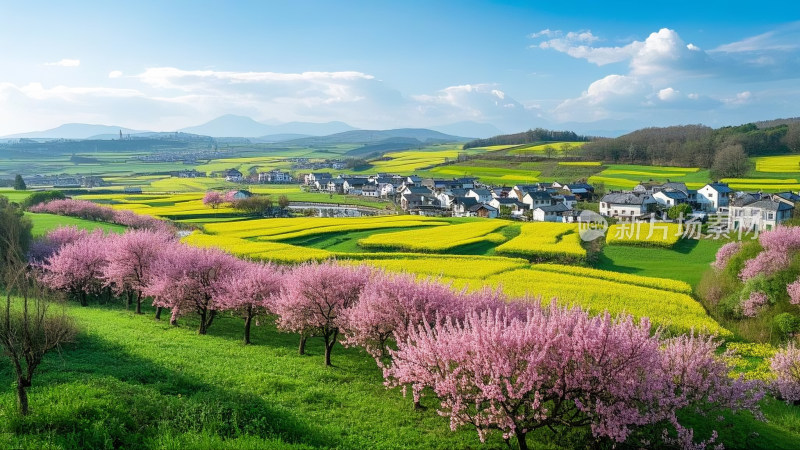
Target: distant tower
<point x="120" y="135"/>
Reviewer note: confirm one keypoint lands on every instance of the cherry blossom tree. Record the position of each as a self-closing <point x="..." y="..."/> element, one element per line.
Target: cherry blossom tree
<point x="77" y="268"/>
<point x="785" y="366"/>
<point x="725" y="253"/>
<point x="765" y="263"/>
<point x="131" y="258"/>
<point x="315" y="297"/>
<point x="213" y="199"/>
<point x="559" y="367"/>
<point x="43" y="248"/>
<point x="793" y="289"/>
<point x="250" y="291"/>
<point x="752" y="305"/>
<point x="185" y="279"/>
<point x="389" y="304"/>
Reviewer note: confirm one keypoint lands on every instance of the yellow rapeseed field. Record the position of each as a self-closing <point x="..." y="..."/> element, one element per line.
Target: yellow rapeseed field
<point x="545" y="240"/>
<point x="438" y="238"/>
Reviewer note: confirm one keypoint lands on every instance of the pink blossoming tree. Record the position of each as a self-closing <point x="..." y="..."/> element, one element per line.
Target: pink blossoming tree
<point x="752" y="305"/>
<point x="77" y="268"/>
<point x="186" y="279"/>
<point x="785" y="366"/>
<point x="213" y="199"/>
<point x="251" y="291"/>
<point x="389" y="304"/>
<point x="725" y="253"/>
<point x="557" y="367"/>
<point x="131" y="258"/>
<point x="314" y="299"/>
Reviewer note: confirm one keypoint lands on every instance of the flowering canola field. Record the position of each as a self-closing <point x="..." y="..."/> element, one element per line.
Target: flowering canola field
<point x="438" y="238"/>
<point x="541" y="240"/>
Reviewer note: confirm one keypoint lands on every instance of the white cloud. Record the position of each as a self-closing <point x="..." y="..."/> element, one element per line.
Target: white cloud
<point x="115" y="74"/>
<point x="65" y="63"/>
<point x="668" y="94"/>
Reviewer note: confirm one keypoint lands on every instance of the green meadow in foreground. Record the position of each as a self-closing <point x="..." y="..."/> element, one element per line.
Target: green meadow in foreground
<point x="132" y="382"/>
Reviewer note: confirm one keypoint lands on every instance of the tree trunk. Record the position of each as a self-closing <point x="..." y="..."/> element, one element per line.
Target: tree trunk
<point x="22" y="398"/>
<point x="202" y="329"/>
<point x="128" y="299"/>
<point x="247" y="320"/>
<point x="328" y="348"/>
<point x="139" y="302"/>
<point x="329" y="342"/>
<point x="83" y="299"/>
<point x="302" y="349"/>
<point x="523" y="444"/>
<point x="158" y="312"/>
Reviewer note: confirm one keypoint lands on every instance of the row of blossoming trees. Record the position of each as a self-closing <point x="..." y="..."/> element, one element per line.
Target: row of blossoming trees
<point x="495" y="364"/>
<point x="492" y="363"/>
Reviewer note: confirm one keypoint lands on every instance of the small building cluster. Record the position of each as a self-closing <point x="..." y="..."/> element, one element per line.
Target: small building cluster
<point x="272" y="176"/>
<point x="65" y="181"/>
<point x="744" y="210"/>
<point x="461" y="197"/>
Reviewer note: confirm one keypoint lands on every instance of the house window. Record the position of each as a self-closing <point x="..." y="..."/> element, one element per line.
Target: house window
<point x="770" y="216"/>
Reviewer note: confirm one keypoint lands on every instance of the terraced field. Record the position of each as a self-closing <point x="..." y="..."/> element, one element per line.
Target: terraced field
<point x="540" y="149"/>
<point x="622" y="176"/>
<point x="438" y="239"/>
<point x="543" y="240"/>
<point x="490" y="175"/>
<point x="281" y="229"/>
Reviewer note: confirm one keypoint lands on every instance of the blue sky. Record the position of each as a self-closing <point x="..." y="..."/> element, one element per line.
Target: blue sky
<point x="586" y="66"/>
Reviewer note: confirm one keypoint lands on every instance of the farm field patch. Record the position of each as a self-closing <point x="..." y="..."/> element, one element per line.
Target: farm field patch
<point x="644" y="233"/>
<point x="540" y="149"/>
<point x="438" y="239"/>
<point x="545" y="240"/>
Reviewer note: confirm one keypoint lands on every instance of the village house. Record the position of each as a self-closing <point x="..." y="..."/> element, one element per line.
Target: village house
<point x="516" y="207"/>
<point x="274" y="176"/>
<point x="233" y="175"/>
<point x="410" y="201"/>
<point x="460" y="206"/>
<point x="483" y="210"/>
<point x="582" y="191"/>
<point x="670" y="197"/>
<point x="482" y="195"/>
<point x="626" y="204"/>
<point x="713" y="196"/>
<point x="241" y="195"/>
<point x="749" y="214"/>
<point x="550" y="213"/>
<point x="537" y="198"/>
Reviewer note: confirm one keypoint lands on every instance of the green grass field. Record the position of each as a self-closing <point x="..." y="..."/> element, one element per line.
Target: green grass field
<point x="133" y="382"/>
<point x="14" y="196"/>
<point x="686" y="261"/>
<point x="42" y="223"/>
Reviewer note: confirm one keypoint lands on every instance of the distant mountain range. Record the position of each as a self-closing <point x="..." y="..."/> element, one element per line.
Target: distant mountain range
<point x="75" y="131"/>
<point x="241" y="126"/>
<point x="304" y="133"/>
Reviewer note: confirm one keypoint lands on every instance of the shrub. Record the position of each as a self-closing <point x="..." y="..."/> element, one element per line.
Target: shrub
<point x="787" y="324"/>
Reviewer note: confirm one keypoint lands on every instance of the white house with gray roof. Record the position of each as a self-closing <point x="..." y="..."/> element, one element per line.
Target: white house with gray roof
<point x="625" y="204"/>
<point x="713" y="196"/>
<point x="750" y="214"/>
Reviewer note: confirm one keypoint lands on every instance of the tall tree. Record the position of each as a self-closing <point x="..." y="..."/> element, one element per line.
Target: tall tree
<point x="15" y="233"/>
<point x="19" y="183"/>
<point x="28" y="328"/>
<point x="730" y="162"/>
